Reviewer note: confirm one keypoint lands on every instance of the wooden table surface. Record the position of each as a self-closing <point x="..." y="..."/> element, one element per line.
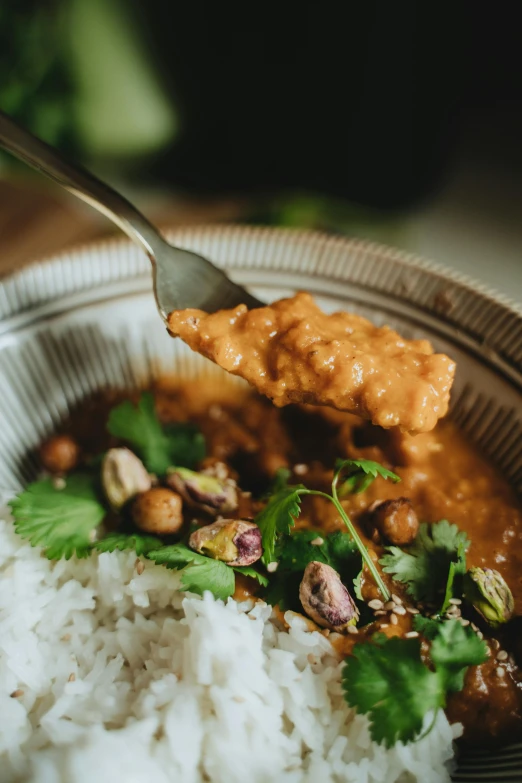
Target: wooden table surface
<point x="37" y="220"/>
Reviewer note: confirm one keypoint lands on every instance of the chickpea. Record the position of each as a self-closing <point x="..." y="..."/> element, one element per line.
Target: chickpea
<point x="59" y="454"/>
<point x="396" y="521"/>
<point x="159" y="510"/>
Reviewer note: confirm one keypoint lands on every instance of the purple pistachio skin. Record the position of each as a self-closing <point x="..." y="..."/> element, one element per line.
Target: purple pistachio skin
<point x="325" y="599"/>
<point x="235" y="542"/>
<point x="206" y="492"/>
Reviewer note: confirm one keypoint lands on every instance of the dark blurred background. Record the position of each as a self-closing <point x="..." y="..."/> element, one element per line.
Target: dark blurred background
<point x="399" y="122"/>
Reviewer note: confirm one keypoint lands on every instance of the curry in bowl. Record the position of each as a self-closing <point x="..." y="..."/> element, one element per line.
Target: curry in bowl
<point x="403" y="551"/>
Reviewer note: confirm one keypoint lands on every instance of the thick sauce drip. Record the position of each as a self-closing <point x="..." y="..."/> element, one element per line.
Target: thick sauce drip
<point x="292" y="352"/>
<point x="443" y="475"/>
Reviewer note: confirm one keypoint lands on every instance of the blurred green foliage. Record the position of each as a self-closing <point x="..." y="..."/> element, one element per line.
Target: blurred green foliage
<point x="78" y="74"/>
<point x="35" y="86"/>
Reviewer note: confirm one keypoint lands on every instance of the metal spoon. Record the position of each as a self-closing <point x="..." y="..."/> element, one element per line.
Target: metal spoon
<point x="180" y="278"/>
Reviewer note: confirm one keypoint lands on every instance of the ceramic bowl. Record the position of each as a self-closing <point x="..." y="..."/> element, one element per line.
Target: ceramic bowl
<point x="87" y="319"/>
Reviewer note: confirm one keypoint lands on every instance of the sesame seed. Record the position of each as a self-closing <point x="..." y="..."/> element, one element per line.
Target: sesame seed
<point x="140" y="567"/>
<point x="317" y="541"/>
<point x="400" y="610"/>
<point x="511" y="660"/>
<point x="72" y="677"/>
<point x="300" y="469"/>
<point x="17" y="693"/>
<point x="59" y="482"/>
<point x="474" y="627"/>
<point x="396" y="598"/>
<point x="239" y="699"/>
<point x="480" y="634"/>
<point x="246" y="494"/>
<point x="502" y="655"/>
<point x="455" y="601"/>
<point x="379" y="613"/>
<point x="411" y="635"/>
<point x="384" y="625"/>
<point x="463" y="622"/>
<point x="375" y="604"/>
<point x="500" y="672"/>
<point x="390" y="606"/>
<point x="412" y="610"/>
<point x="352" y="629"/>
<point x="272" y="567"/>
<point x="393" y="619"/>
<point x="452" y="615"/>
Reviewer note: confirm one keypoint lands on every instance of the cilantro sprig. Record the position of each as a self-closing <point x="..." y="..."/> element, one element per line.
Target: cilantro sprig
<point x="388" y="681"/>
<point x="283" y="508"/>
<point x="61" y="521"/>
<point x="431" y="565"/>
<point x="180" y="444"/>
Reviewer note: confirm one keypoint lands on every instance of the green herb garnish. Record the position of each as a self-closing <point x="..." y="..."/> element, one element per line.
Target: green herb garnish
<point x="387" y="680"/>
<point x="359" y="474"/>
<point x="61" y="521"/>
<point x="180" y="444"/>
<point x="425" y="567"/>
<point x="283" y="508"/>
<point x="200" y="573"/>
<point x="121" y="541"/>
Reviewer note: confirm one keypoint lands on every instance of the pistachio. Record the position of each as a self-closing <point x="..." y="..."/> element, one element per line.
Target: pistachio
<point x="325" y="599"/>
<point x="234" y="541"/>
<point x="490" y="595"/>
<point x="123" y="476"/>
<point x="207" y="492"/>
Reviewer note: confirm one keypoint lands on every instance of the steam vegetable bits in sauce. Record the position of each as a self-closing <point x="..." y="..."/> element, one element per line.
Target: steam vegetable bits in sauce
<point x="293" y="352"/>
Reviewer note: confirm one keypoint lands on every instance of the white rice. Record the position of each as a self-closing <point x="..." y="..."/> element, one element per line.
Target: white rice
<point x="172" y="687"/>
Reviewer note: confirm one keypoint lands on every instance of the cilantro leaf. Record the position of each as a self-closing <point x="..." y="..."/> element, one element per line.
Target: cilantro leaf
<point x="360" y="474"/>
<point x="211" y="575"/>
<point x="452" y="650"/>
<point x="199" y="573"/>
<point x="186" y="444"/>
<point x="178" y="444"/>
<point x="121" y="541"/>
<point x="425" y="566"/>
<point x="278" y="517"/>
<point x="388" y="682"/>
<point x="61" y="521"/>
<point x="295" y="550"/>
<point x="427" y="626"/>
<point x="252" y="573"/>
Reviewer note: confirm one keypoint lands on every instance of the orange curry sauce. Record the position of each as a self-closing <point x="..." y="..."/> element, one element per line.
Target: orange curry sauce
<point x="444" y="477"/>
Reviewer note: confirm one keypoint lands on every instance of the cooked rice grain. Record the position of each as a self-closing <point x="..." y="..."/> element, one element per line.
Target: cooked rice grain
<point x="173" y="687"/>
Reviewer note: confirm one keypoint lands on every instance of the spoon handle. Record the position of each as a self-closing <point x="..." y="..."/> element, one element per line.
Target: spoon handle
<point x="80" y="183"/>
